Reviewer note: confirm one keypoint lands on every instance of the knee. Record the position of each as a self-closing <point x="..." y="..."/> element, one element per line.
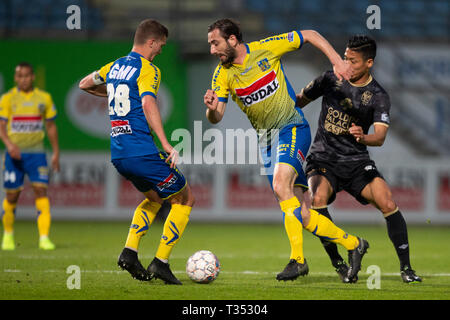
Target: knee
<point x="152" y="196"/>
<point x="12" y="198"/>
<point x="190" y="200"/>
<point x="281" y="189"/>
<point x="387" y="206"/>
<point x="319" y="199"/>
<point x="185" y="198"/>
<point x="40" y="192"/>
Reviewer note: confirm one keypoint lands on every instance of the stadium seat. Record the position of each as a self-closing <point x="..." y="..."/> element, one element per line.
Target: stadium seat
<point x="311" y="7"/>
<point x="275" y="24"/>
<point x="258" y="5"/>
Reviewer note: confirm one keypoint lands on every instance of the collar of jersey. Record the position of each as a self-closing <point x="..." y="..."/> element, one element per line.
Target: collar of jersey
<point x="362" y="84"/>
<point x="246" y="57"/>
<point x="26" y="94"/>
<point x="135" y="54"/>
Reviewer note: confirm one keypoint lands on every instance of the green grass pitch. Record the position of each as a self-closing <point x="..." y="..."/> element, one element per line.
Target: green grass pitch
<point x="250" y="255"/>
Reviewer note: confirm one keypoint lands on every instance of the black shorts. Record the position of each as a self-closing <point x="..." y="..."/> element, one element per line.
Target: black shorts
<point x="349" y="176"/>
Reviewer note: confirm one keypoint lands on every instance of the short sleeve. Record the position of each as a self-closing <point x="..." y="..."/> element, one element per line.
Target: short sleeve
<point x="101" y="74"/>
<point x="315" y="88"/>
<point x="219" y="83"/>
<point x="50" y="109"/>
<point x="149" y="80"/>
<point x="382" y="110"/>
<point x="5" y="106"/>
<point x="282" y="43"/>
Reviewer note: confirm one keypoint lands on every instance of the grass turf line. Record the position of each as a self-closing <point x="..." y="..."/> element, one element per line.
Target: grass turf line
<point x="250" y="255"/>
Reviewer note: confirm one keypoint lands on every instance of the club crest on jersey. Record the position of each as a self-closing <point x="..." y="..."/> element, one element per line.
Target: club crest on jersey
<point x="365" y="97"/>
<point x="170" y="180"/>
<point x="263" y="64"/>
<point x="119" y="127"/>
<point x="259" y="90"/>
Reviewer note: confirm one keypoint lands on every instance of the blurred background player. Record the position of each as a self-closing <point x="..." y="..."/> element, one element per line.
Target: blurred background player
<point x="131" y="84"/>
<point x="339" y="159"/>
<point x="24" y="113"/>
<point x="253" y="74"/>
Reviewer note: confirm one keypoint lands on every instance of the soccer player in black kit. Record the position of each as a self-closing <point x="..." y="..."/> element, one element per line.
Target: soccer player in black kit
<point x="338" y="158"/>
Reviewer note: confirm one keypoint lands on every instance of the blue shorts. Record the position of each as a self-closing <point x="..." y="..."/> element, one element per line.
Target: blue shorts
<point x="32" y="164"/>
<point x="292" y="146"/>
<point x="151" y="172"/>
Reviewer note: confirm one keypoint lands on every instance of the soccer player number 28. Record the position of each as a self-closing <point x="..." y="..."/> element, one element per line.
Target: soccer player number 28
<point x="121" y="99"/>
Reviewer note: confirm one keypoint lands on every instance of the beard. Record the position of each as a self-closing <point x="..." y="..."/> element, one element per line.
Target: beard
<point x="230" y="55"/>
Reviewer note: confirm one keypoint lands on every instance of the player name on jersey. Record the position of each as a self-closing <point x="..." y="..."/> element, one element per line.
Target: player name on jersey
<point x="259" y="90"/>
<point x="26" y="124"/>
<point x="122" y="72"/>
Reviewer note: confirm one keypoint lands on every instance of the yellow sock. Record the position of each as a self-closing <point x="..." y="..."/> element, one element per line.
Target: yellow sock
<point x="324" y="228"/>
<point x="143" y="217"/>
<point x="8" y="216"/>
<point x="44" y="217"/>
<point x="293" y="224"/>
<point x="173" y="229"/>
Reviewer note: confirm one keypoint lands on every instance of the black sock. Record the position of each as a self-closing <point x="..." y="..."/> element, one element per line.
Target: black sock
<point x="330" y="247"/>
<point x="398" y="233"/>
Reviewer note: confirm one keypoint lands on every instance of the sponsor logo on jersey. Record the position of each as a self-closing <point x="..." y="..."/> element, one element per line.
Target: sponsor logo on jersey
<point x="26" y="124"/>
<point x="300" y="156"/>
<point x="290" y="36"/>
<point x="119" y="127"/>
<point x="385" y="117"/>
<point x="259" y="90"/>
<point x="170" y="180"/>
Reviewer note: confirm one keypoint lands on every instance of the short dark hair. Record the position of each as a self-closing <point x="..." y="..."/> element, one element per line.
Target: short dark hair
<point x="364" y="44"/>
<point x="149" y="28"/>
<point x="25" y="64"/>
<point x="227" y="27"/>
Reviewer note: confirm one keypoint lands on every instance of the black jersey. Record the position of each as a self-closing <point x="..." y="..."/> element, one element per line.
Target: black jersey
<point x="343" y="104"/>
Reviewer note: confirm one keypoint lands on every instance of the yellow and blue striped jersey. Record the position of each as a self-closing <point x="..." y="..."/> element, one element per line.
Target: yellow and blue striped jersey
<point x="26" y="113"/>
<point x="259" y="86"/>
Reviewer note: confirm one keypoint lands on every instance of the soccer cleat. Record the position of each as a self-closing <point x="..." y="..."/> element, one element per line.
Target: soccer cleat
<point x="293" y="270"/>
<point x="128" y="260"/>
<point x="161" y="270"/>
<point x="342" y="270"/>
<point x="46" y="244"/>
<point x="354" y="258"/>
<point x="8" y="242"/>
<point x="409" y="276"/>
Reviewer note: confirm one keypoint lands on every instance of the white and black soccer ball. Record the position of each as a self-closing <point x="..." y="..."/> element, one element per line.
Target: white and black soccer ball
<point x="203" y="267"/>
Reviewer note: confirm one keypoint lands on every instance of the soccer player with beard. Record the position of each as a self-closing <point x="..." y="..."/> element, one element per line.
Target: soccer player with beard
<point x="253" y="74"/>
<point x="339" y="159"/>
